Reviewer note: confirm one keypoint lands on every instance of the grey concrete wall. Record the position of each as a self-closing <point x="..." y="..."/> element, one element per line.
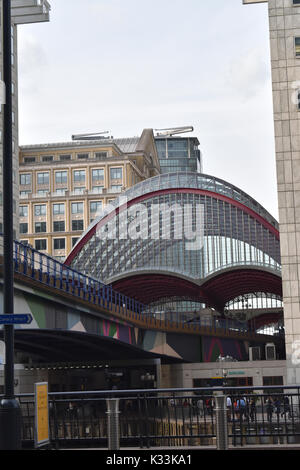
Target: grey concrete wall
<point x="284" y="20"/>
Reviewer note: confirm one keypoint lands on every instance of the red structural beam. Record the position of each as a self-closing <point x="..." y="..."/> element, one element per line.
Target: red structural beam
<point x="216" y="292"/>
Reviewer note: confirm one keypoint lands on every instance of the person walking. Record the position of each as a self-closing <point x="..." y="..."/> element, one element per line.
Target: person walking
<point x="270" y="409"/>
<point x="286" y="407"/>
<point x="241" y="408"/>
<point x="277" y="405"/>
<point x="229" y="409"/>
<point x="252" y="410"/>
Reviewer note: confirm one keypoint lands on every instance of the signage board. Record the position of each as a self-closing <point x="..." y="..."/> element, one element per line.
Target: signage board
<point x="15" y="319"/>
<point x="41" y="414"/>
<point x="236" y="372"/>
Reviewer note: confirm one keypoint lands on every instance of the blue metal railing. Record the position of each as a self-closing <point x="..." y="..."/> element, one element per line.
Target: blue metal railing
<point x="47" y="270"/>
<point x="51" y="272"/>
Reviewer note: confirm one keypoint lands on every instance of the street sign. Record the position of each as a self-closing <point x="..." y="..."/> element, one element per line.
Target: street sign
<point x="15" y="319"/>
<point x="41" y="435"/>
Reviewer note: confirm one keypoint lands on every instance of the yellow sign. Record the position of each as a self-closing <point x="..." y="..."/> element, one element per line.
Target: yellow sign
<point x="41" y="414"/>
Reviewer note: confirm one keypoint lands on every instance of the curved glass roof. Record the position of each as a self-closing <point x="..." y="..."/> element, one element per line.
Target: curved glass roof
<point x="188" y="180"/>
<point x="200" y="235"/>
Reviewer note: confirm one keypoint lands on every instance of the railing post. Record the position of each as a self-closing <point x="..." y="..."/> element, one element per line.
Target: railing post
<point x="111" y="298"/>
<point x="61" y="277"/>
<point x="221" y="422"/>
<point x="48" y="270"/>
<point x="32" y="263"/>
<point x="113" y="425"/>
<point x="25" y="260"/>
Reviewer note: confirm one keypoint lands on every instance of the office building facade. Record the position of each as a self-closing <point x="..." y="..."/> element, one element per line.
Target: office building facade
<point x="63" y="187"/>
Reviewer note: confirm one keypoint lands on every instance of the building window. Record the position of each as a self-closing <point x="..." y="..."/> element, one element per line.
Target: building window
<point x="42" y="192"/>
<point x="40" y="227"/>
<point x="97" y="189"/>
<point x="23" y="228"/>
<point x="24" y="193"/>
<point x="82" y="156"/>
<point x="58" y="209"/>
<point x="79" y="176"/>
<point x="29" y="160"/>
<point x="74" y="241"/>
<point x="43" y="178"/>
<point x="116" y="188"/>
<point x="61" y="177"/>
<point x="59" y="243"/>
<point x="77" y="207"/>
<point x="64" y="158"/>
<point x="98" y="174"/>
<point x="95" y="206"/>
<point x="40" y="244"/>
<point x="116" y="173"/>
<point x="59" y="226"/>
<point x="297" y="46"/>
<point x="296" y="2"/>
<point x="79" y="190"/>
<point x="61" y="191"/>
<point x="25" y="179"/>
<point x="47" y="159"/>
<point x="23" y="211"/>
<point x="270" y="381"/>
<point x="77" y="225"/>
<point x="101" y="155"/>
<point x="40" y="210"/>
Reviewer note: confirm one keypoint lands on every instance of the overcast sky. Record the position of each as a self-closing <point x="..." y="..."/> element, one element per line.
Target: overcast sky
<point x="126" y="65"/>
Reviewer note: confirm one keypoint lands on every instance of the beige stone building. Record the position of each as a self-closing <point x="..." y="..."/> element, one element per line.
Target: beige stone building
<point x="284" y="19"/>
<point x="63" y="186"/>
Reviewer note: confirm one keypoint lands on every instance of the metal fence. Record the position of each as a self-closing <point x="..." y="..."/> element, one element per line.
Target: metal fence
<point x="169" y="417"/>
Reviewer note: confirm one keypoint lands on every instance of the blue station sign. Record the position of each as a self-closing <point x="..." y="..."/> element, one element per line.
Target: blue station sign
<point x="15" y="319"/>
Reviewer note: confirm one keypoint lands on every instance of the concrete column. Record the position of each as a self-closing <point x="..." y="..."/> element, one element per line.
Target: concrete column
<point x="284" y="21"/>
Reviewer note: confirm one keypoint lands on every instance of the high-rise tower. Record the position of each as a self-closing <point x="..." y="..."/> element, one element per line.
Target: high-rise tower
<point x="23" y="12"/>
<point x="284" y="19"/>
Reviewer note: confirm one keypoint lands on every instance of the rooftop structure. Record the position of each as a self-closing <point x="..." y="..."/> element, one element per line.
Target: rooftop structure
<point x="177" y="153"/>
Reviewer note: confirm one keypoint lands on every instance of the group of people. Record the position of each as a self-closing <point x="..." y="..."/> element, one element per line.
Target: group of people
<point x="280" y="408"/>
<point x="246" y="408"/>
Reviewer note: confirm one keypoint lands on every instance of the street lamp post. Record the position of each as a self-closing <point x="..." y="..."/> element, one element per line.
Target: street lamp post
<point x="10" y="413"/>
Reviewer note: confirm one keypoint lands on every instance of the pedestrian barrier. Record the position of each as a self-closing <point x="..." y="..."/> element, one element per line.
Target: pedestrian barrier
<point x="166" y="417"/>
